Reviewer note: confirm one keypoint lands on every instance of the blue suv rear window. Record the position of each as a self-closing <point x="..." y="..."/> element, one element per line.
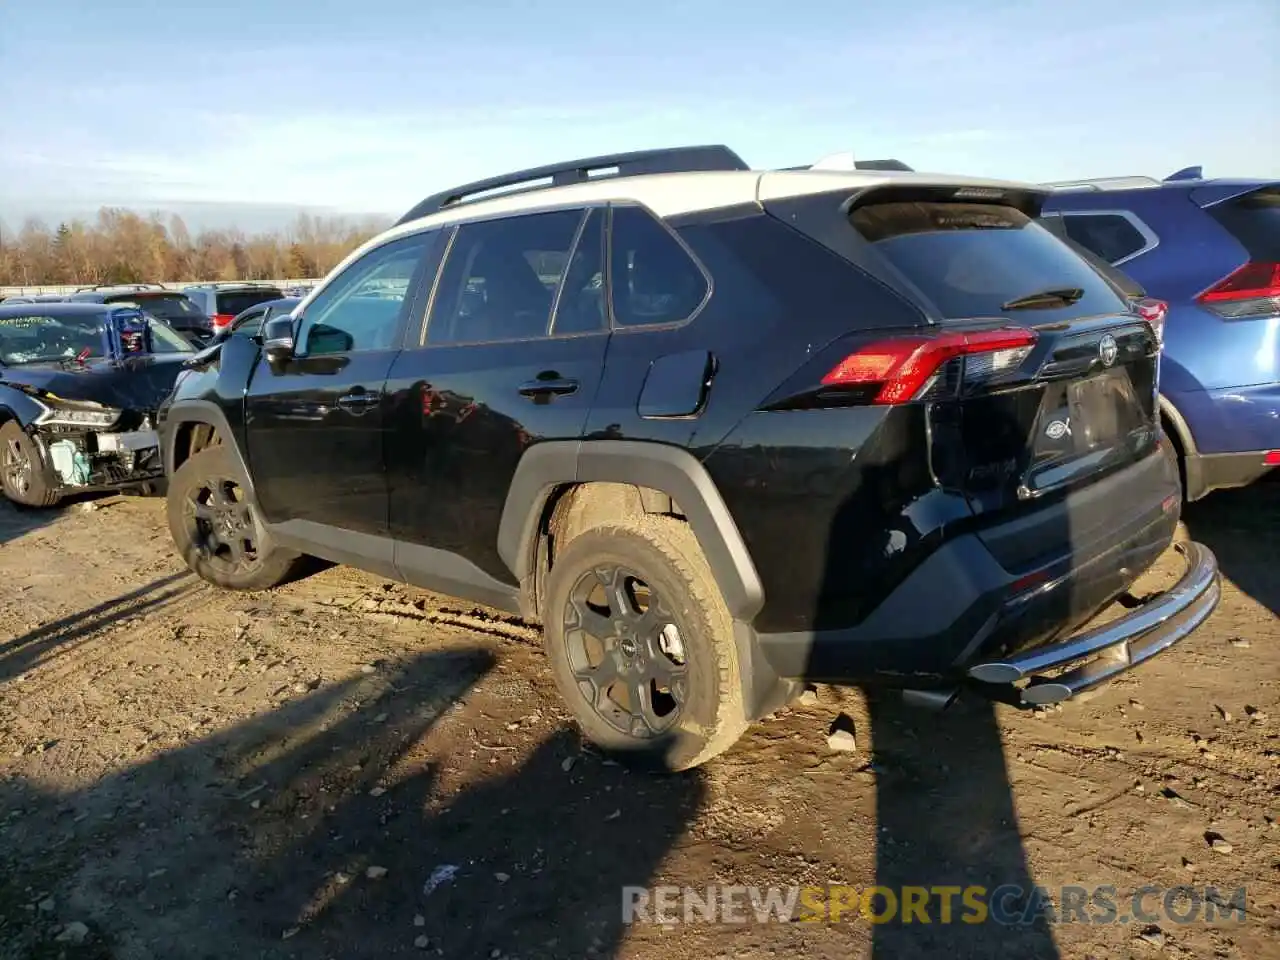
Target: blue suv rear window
<point x="1254" y="220"/>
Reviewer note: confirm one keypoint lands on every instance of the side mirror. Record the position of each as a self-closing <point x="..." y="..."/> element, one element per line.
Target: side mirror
<point x="277" y="338"/>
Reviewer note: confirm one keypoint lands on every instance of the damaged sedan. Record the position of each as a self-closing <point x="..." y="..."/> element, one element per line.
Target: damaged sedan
<point x="79" y="386"/>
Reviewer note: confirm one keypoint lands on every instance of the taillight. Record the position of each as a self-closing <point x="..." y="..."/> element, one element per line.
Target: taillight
<point x="1251" y="291"/>
<point x="1154" y="312"/>
<point x="911" y="368"/>
<point x="221" y="320"/>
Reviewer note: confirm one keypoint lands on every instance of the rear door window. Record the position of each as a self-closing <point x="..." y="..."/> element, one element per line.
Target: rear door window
<point x="971" y="259"/>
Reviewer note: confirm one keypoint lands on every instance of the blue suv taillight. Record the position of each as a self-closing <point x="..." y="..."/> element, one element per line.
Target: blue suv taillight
<point x="1251" y="291"/>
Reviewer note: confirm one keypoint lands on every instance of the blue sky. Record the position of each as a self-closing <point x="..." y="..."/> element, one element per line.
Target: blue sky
<point x="368" y="106"/>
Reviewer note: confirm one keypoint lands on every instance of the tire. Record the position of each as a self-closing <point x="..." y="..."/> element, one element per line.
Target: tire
<point x="24" y="476"/>
<point x="217" y="529"/>
<point x="653" y="698"/>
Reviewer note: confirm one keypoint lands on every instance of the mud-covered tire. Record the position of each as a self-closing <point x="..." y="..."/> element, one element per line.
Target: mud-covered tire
<point x="24" y="476"/>
<point x="662" y="554"/>
<point x="205" y="529"/>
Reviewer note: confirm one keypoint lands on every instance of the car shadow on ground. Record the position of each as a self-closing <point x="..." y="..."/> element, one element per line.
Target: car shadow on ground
<point x="1242" y="528"/>
<point x="322" y="829"/>
<point x="950" y="769"/>
<point x="938" y="768"/>
<point x="17" y="521"/>
<point x="60" y="636"/>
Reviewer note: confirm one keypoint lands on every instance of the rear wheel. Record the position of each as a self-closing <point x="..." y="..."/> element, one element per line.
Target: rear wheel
<point x="641" y="645"/>
<point x="23" y="475"/>
<point x="216" y="526"/>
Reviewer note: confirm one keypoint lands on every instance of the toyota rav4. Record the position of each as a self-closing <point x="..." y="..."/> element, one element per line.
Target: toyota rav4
<point x="720" y="432"/>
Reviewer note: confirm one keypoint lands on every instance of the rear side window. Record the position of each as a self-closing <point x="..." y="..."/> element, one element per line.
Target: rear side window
<point x="500" y="278"/>
<point x="1112" y="236"/>
<point x="653" y="279"/>
<point x="238" y="301"/>
<point x="1254" y="220"/>
<point x="1123" y="282"/>
<point x="971" y="259"/>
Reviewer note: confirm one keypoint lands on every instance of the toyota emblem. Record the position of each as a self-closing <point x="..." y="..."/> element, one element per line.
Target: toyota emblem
<point x="1108" y="350"/>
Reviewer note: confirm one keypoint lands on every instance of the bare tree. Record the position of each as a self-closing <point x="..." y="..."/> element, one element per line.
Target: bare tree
<point x="121" y="246"/>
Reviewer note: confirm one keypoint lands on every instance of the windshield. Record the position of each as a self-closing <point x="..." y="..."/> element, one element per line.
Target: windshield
<point x="33" y="338"/>
<point x="971" y="259"/>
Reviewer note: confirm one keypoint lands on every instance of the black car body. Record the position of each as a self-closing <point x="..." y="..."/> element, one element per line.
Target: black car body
<point x="177" y="310"/>
<point x="79" y="387"/>
<point x="879" y="428"/>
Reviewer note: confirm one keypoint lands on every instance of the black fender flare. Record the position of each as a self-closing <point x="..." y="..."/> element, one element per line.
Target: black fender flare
<point x="202" y="411"/>
<point x="1193" y="480"/>
<point x="662" y="467"/>
<point x="1185" y="440"/>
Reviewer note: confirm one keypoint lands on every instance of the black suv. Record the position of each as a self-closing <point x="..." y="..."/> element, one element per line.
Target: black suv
<point x="720" y="431"/>
<point x="171" y="306"/>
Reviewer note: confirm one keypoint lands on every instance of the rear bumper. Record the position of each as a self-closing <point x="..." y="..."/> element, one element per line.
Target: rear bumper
<point x="1220" y="471"/>
<point x="988" y="596"/>
<point x="1112" y="648"/>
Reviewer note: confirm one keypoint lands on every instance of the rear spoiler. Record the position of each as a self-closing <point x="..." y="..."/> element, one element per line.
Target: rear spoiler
<point x="1220" y="191"/>
<point x="1028" y="199"/>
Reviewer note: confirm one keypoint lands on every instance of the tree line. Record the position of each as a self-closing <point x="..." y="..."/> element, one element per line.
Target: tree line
<point x="121" y="246"/>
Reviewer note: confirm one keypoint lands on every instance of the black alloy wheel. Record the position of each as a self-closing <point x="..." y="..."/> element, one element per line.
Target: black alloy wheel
<point x="224" y="529"/>
<point x="625" y="652"/>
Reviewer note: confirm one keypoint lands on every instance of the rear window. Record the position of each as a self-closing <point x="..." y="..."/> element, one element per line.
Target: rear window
<point x="172" y="306"/>
<point x="237" y="301"/>
<point x="969" y="259"/>
<point x="1254" y="220"/>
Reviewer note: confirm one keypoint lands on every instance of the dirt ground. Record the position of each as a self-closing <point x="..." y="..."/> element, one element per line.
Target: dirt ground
<point x="350" y="768"/>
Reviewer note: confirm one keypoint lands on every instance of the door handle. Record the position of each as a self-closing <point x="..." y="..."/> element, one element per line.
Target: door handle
<point x="551" y="387"/>
<point x="358" y="402"/>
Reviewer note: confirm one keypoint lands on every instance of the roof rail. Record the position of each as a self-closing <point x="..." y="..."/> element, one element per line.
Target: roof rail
<point x="122" y="286"/>
<point x="1104" y="183"/>
<point x="230" y="283"/>
<point x="637" y="163"/>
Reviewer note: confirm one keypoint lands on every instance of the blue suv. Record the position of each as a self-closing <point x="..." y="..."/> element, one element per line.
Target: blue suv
<point x="1210" y="249"/>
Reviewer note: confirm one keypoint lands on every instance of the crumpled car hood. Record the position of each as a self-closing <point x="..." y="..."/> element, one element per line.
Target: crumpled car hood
<point x="134" y="384"/>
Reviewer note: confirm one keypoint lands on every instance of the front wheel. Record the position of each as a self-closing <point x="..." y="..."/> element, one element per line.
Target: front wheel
<point x="641" y="645"/>
<point x="23" y="475"/>
<point x="216" y="526"/>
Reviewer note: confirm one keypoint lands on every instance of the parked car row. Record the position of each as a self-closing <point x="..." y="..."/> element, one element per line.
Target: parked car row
<point x="197" y="311"/>
<point x="721" y="431"/>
